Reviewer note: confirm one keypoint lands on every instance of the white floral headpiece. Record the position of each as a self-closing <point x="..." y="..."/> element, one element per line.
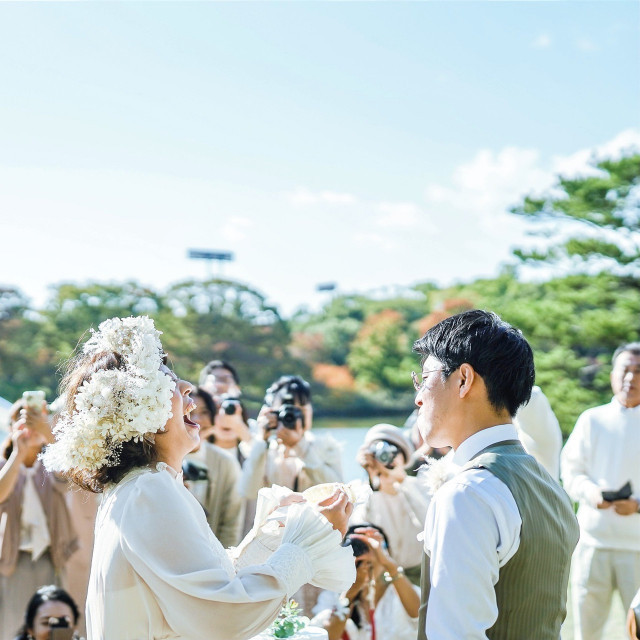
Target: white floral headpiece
<point x="116" y="405"/>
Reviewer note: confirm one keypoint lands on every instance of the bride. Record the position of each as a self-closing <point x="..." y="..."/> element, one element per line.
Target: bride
<point x="157" y="570"/>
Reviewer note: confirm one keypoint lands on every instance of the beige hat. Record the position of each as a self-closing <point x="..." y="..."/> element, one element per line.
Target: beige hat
<point x="391" y="434"/>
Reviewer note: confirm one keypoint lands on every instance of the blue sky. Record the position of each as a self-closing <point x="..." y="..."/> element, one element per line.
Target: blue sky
<point x="372" y="144"/>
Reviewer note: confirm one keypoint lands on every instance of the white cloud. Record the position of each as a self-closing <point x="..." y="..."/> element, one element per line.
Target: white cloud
<point x="489" y="184"/>
<point x="473" y="206"/>
<point x="301" y="196"/>
<point x="579" y="163"/>
<point x="543" y="41"/>
<point x="398" y="214"/>
<point x="234" y="230"/>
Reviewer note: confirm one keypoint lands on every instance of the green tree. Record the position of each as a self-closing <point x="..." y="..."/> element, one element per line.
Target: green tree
<point x="592" y="219"/>
<point x="380" y="357"/>
<point x="221" y="319"/>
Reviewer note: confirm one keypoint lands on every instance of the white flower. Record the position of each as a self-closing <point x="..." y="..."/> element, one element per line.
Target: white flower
<point x="434" y="473"/>
<point x="114" y="405"/>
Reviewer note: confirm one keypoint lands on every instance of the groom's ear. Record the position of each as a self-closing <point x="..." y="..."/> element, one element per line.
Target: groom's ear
<point x="466" y="378"/>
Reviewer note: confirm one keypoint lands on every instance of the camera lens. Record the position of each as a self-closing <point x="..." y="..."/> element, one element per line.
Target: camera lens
<point x="384" y="452"/>
<point x="229" y="407"/>
<point x="289" y="416"/>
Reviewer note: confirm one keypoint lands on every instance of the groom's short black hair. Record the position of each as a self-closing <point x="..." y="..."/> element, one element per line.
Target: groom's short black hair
<point x="497" y="351"/>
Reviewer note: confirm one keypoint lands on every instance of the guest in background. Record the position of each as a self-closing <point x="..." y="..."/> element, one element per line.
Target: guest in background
<point x="212" y="475"/>
<point x="601" y="455"/>
<point x="539" y="432"/>
<point x="382" y="603"/>
<point x="288" y="453"/>
<point x="398" y="503"/>
<point x="49" y="605"/>
<point x="37" y="537"/>
<point x="220" y="379"/>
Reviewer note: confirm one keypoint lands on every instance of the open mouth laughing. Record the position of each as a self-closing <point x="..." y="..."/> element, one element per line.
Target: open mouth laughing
<point x="187" y="416"/>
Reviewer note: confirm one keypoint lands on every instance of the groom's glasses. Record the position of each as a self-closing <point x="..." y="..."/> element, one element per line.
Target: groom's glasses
<point x="417" y="382"/>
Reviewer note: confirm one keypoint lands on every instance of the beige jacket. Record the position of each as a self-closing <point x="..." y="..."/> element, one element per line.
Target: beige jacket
<point x="51" y="492"/>
<point x="223" y="504"/>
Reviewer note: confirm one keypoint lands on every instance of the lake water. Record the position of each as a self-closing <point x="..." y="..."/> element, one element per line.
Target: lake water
<point x="350" y="434"/>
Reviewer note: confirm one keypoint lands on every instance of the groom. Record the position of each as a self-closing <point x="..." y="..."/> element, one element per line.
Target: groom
<point x="500" y="533"/>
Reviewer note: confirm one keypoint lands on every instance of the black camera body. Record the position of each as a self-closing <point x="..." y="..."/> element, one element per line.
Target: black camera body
<point x="358" y="546"/>
<point x="384" y="452"/>
<point x="194" y="471"/>
<point x="288" y="416"/>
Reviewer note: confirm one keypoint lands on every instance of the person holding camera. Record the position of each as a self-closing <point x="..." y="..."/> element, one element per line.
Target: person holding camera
<point x="211" y="474"/>
<point x="37" y="536"/>
<point x="398" y="502"/>
<point x="233" y="430"/>
<point x="51" y="614"/>
<point x="382" y="603"/>
<point x="289" y="454"/>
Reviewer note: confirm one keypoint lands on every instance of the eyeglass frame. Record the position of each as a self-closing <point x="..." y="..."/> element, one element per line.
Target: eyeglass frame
<point x="417" y="383"/>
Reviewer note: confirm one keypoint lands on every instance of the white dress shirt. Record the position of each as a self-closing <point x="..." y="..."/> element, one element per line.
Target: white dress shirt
<point x="603" y="453"/>
<point x="471" y="530"/>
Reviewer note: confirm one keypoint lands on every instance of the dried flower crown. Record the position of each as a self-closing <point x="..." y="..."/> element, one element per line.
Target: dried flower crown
<point x="115" y="405"/>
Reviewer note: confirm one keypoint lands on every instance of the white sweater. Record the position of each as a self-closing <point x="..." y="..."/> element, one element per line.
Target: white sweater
<point x="603" y="453"/>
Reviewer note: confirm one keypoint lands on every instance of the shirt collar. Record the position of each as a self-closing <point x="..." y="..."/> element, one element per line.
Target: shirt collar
<point x="620" y="407"/>
<point x="481" y="440"/>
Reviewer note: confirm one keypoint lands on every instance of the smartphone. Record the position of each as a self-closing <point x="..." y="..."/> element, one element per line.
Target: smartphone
<point x="34" y="399"/>
<point x="61" y="633"/>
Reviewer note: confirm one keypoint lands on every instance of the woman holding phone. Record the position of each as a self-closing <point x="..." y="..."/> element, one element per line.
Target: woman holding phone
<point x="51" y="614"/>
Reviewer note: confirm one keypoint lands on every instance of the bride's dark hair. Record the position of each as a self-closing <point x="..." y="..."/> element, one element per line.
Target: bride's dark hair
<point x="130" y="454"/>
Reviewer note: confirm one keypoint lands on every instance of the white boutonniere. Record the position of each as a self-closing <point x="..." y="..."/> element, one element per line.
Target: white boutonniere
<point x="435" y="472"/>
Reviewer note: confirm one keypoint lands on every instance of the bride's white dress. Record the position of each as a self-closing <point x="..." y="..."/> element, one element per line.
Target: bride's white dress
<point x="159" y="572"/>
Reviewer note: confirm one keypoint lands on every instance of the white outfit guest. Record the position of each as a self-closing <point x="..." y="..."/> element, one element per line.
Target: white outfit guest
<point x="176" y="580"/>
<point x="391" y="620"/>
<point x="603" y="453"/>
<point x="402" y="518"/>
<point x="539" y="432"/>
<point x="486" y="525"/>
<point x="314" y="460"/>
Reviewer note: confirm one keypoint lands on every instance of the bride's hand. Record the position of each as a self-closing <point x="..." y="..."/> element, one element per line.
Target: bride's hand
<point x="292" y="498"/>
<point x="337" y="509"/>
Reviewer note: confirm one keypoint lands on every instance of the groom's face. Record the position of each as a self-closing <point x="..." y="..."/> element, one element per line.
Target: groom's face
<point x="433" y="400"/>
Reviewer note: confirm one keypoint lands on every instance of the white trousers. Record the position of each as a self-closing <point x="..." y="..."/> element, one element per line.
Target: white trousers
<point x="595" y="574"/>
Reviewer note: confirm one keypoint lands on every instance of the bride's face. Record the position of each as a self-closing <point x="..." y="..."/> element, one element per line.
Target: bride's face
<point x="181" y="435"/>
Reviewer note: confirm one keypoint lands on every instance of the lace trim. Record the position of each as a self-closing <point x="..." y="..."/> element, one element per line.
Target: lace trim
<point x="177" y="476"/>
<point x="292" y="566"/>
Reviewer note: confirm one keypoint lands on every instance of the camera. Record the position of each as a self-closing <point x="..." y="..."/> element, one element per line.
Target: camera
<point x="359" y="547"/>
<point x="288" y="415"/>
<point x="384" y="452"/>
<point x="230" y="405"/>
<point x="194" y="471"/>
<point x="60" y="628"/>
